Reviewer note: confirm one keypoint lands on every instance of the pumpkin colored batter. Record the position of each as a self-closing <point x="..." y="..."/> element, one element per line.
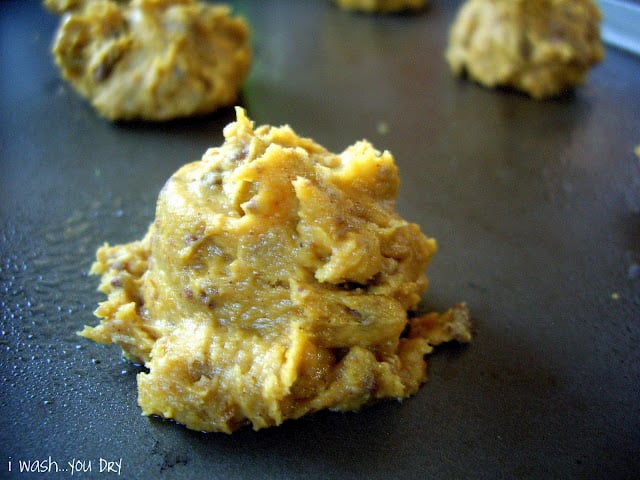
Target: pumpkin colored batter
<point x="275" y="281"/>
<point x="540" y="47"/>
<point x="151" y="59"/>
<point x="381" y="6"/>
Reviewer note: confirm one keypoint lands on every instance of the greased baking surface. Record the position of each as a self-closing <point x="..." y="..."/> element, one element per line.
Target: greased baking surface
<point x="275" y="281"/>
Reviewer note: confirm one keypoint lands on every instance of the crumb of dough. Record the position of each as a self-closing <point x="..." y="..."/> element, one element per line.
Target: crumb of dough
<point x="382" y="128"/>
<point x="151" y="59"/>
<point x="381" y="6"/>
<point x="540" y="47"/>
<point x="276" y="280"/>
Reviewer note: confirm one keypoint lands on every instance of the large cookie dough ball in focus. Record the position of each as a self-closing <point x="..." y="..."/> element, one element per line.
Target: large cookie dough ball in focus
<point x="541" y="47"/>
<point x="276" y="280"/>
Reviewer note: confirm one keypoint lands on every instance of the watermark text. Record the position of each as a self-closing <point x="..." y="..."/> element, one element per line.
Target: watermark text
<point x="74" y="467"/>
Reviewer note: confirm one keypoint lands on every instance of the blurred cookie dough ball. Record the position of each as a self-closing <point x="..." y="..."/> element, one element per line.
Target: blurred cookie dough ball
<point x="61" y="6"/>
<point x="540" y="47"/>
<point x="381" y="6"/>
<point x="152" y="59"/>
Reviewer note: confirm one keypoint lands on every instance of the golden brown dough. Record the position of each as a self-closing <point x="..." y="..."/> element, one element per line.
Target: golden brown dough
<point x="275" y="281"/>
<point x="61" y="6"/>
<point x="152" y="59"/>
<point x="381" y="6"/>
<point x="541" y="47"/>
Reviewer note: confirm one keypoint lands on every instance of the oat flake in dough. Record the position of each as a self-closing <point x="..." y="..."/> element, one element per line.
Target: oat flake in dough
<point x="275" y="281"/>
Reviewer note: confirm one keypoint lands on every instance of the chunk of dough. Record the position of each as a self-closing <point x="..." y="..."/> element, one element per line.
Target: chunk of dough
<point x="275" y="281"/>
<point x="540" y="47"/>
<point x="152" y="59"/>
<point x="381" y="6"/>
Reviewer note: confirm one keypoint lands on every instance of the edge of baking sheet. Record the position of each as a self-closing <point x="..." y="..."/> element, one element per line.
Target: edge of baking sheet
<point x="621" y="24"/>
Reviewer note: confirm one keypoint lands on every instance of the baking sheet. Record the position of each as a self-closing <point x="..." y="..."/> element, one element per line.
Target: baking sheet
<point x="535" y="206"/>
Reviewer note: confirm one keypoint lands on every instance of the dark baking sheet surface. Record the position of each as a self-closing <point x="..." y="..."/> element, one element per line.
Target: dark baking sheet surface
<point x="534" y="204"/>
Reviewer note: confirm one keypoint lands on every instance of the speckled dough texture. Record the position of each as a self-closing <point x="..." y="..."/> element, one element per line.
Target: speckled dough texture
<point x="276" y="280"/>
<point x="541" y="47"/>
<point x="151" y="59"/>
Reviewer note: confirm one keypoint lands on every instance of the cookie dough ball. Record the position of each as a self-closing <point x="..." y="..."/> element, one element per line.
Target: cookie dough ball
<point x="275" y="281"/>
<point x="61" y="6"/>
<point x="152" y="59"/>
<point x="381" y="6"/>
<point x="541" y="47"/>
